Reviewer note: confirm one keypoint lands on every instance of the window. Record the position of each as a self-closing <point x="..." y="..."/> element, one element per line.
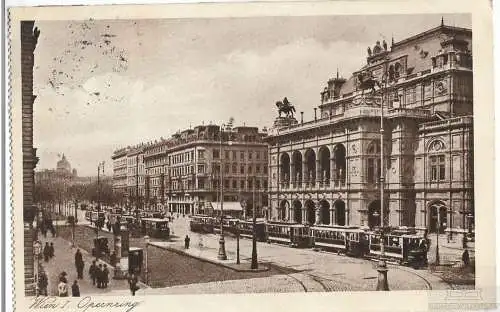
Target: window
<point x="226" y="184"/>
<point x="242" y="184"/>
<point x="201" y="184"/>
<point x="249" y="183"/>
<point x="234" y="155"/>
<point x="226" y="154"/>
<point x="257" y="168"/>
<point x="250" y="169"/>
<point x="257" y="184"/>
<point x="242" y="169"/>
<point x="192" y="155"/>
<point x="216" y="153"/>
<point x="201" y="169"/>
<point x="373" y="170"/>
<point x="258" y="155"/>
<point x="242" y="155"/>
<point x="250" y="155"/>
<point x="235" y="184"/>
<point x="201" y="154"/>
<point x="226" y="168"/>
<point x="234" y="168"/>
<point x="438" y="170"/>
<point x="265" y="169"/>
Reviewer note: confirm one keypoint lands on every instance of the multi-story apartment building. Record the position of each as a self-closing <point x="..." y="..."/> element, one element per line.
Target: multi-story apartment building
<point x="182" y="174"/>
<point x="120" y="170"/>
<point x="195" y="160"/>
<point x="328" y="170"/>
<point x="135" y="176"/>
<point x="155" y="164"/>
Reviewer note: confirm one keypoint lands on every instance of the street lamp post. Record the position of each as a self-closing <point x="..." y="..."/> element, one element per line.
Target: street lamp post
<point x="222" y="244"/>
<point x="254" y="264"/>
<point x="146" y="240"/>
<point x="438" y="229"/>
<point x="382" y="284"/>
<point x="238" y="242"/>
<point x="37" y="249"/>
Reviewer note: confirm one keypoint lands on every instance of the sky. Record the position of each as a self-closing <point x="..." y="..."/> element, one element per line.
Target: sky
<point x="106" y="84"/>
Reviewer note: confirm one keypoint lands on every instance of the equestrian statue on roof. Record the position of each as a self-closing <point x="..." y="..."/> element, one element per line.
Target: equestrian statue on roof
<point x="285" y="107"/>
<point x="367" y="81"/>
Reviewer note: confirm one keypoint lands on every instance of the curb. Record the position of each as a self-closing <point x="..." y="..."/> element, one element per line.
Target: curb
<point x="228" y="266"/>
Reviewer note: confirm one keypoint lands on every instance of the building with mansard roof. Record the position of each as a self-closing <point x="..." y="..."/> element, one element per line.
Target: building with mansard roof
<point x="328" y="170"/>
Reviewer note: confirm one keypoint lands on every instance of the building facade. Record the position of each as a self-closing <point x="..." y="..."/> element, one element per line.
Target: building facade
<point x="182" y="174"/>
<point x="135" y="177"/>
<point x="120" y="170"/>
<point x="328" y="170"/>
<point x="29" y="38"/>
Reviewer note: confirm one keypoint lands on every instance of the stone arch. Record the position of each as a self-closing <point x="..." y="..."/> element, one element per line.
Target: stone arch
<point x="297" y="168"/>
<point x="437" y="216"/>
<point x="340" y="212"/>
<point x="324" y="211"/>
<point x="324" y="164"/>
<point x="297" y="211"/>
<point x="310" y="211"/>
<point x="340" y="163"/>
<point x="310" y="162"/>
<point x="285" y="168"/>
<point x="374" y="214"/>
<point x="435" y="145"/>
<point x="284" y="207"/>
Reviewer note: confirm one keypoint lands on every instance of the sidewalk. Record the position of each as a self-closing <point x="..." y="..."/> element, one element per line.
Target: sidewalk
<point x="64" y="261"/>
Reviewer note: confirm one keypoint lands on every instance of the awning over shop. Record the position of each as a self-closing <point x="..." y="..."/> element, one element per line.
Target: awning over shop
<point x="228" y="206"/>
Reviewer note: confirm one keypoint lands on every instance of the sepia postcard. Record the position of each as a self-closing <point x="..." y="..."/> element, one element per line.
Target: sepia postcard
<point x="320" y="156"/>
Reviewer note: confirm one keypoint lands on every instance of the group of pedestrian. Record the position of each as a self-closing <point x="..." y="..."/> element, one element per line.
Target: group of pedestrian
<point x="48" y="251"/>
<point x="99" y="274"/>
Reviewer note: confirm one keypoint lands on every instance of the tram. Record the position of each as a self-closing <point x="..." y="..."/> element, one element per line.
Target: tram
<point x="403" y="248"/>
<point x="155" y="227"/>
<point x="352" y="241"/>
<point x="246" y="229"/>
<point x="292" y="234"/>
<point x="228" y="224"/>
<point x="201" y="224"/>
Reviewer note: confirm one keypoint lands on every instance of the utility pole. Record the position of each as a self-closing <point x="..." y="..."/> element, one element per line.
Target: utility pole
<point x="254" y="264"/>
<point x="137" y="186"/>
<point x="222" y="244"/>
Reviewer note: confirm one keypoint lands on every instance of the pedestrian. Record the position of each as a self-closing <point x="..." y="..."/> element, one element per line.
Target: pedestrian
<point x="46" y="252"/>
<point x="108" y="225"/>
<point x="75" y="289"/>
<point x="43" y="282"/>
<point x="464" y="241"/>
<point x="62" y="277"/>
<point x="93" y="272"/>
<point x="132" y="281"/>
<point x="62" y="289"/>
<point x="186" y="242"/>
<point x="112" y="259"/>
<point x="79" y="264"/>
<point x="105" y="276"/>
<point x="99" y="276"/>
<point x="51" y="250"/>
<point x="466" y="258"/>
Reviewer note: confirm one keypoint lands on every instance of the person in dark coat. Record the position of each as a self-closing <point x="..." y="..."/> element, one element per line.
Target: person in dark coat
<point x="99" y="276"/>
<point x="51" y="250"/>
<point x="186" y="242"/>
<point x="105" y="276"/>
<point x="466" y="258"/>
<point x="112" y="259"/>
<point x="62" y="277"/>
<point x="132" y="281"/>
<point x="75" y="289"/>
<point x="43" y="282"/>
<point x="46" y="252"/>
<point x="79" y="264"/>
<point x="93" y="272"/>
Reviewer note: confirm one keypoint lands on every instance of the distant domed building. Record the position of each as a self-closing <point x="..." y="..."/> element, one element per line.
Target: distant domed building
<point x="63" y="165"/>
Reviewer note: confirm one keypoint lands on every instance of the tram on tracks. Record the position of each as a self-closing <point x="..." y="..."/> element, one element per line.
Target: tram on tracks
<point x="201" y="224"/>
<point x="155" y="227"/>
<point x="292" y="234"/>
<point x="349" y="240"/>
<point x="228" y="224"/>
<point x="406" y="249"/>
<point x="245" y="228"/>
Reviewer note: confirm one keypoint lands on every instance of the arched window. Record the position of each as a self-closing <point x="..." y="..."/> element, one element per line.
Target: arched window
<point x="373" y="162"/>
<point x="437" y="161"/>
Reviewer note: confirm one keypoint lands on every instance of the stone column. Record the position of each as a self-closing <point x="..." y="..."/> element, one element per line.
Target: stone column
<point x="318" y="172"/>
<point x="332" y="215"/>
<point x="304" y="215"/>
<point x="333" y="171"/>
<point x="305" y="175"/>
<point x="292" y="172"/>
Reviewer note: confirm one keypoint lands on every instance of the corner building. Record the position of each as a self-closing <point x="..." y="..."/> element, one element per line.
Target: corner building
<point x="326" y="171"/>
